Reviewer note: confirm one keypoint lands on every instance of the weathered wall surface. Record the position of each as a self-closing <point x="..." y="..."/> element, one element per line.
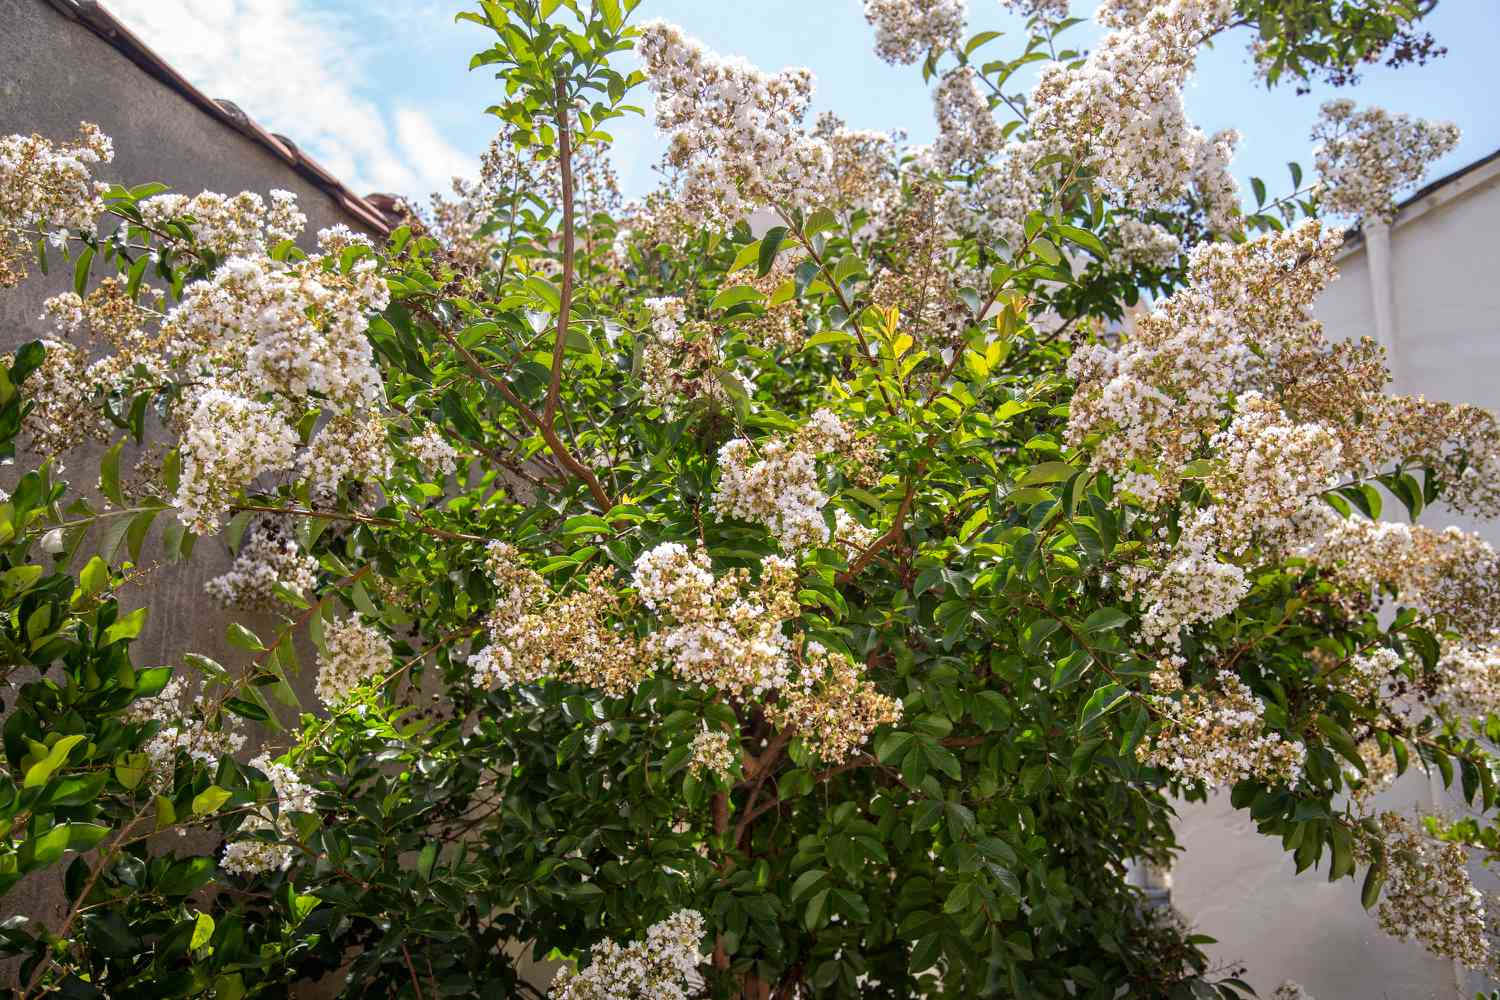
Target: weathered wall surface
<point x="55" y="73"/>
<point x="1236" y="885"/>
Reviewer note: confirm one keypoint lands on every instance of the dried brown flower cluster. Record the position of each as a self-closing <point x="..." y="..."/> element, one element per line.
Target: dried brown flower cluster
<point x="578" y="637"/>
<point x="831" y="706"/>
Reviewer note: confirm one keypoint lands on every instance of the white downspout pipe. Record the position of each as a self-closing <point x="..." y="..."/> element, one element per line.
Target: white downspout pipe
<point x="1383" y="300"/>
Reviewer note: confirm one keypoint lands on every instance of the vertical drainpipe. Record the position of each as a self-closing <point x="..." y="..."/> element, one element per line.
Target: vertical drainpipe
<point x="1388" y="334"/>
<point x="1383" y="299"/>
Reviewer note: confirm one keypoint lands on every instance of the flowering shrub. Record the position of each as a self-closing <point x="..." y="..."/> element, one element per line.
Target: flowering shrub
<point x="828" y="608"/>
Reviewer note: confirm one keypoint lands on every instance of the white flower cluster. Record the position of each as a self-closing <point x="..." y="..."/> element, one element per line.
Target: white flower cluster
<point x="723" y="633"/>
<point x="660" y="967"/>
<point x="1187" y="584"/>
<point x="1469" y="674"/>
<point x="46" y="190"/>
<point x="1450" y="575"/>
<point x="1364" y="157"/>
<point x="1269" y="469"/>
<point x="735" y="132"/>
<point x="737" y="138"/>
<point x="906" y="30"/>
<point x="433" y="453"/>
<point x="228" y="225"/>
<point x="1121" y="111"/>
<point x="269" y="557"/>
<point x="1216" y="737"/>
<point x="1214" y="186"/>
<point x="338" y="237"/>
<point x="831" y="707"/>
<point x="293" y="795"/>
<point x="355" y="653"/>
<point x="1366" y="675"/>
<point x="850" y="536"/>
<point x="296" y="329"/>
<point x="578" y="637"/>
<point x="1157" y="398"/>
<point x="775" y="483"/>
<point x="229" y="441"/>
<point x="1052" y="10"/>
<point x="1428" y="895"/>
<point x="64" y="414"/>
<point x="1289" y="990"/>
<point x="719" y="632"/>
<point x="968" y="134"/>
<point x="351" y="446"/>
<point x="714" y="754"/>
<point x="264" y="337"/>
<point x="995" y="205"/>
<point x="1378" y="775"/>
<point x="182" y="730"/>
<point x="1144" y="243"/>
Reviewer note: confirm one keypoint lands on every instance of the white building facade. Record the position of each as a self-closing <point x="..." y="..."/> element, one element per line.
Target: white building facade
<point x="1427" y="287"/>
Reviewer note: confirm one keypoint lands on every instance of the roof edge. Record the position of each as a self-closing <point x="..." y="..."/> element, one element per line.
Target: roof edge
<point x="93" y="16"/>
<point x="1406" y="206"/>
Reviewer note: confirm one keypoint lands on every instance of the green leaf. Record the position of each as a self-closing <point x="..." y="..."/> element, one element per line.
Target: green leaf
<point x="546" y="291"/>
<point x="1044" y="248"/>
<point x="1084" y="238"/>
<point x="128" y="627"/>
<point x="805" y="882"/>
<point x="749" y="254"/>
<point x="81" y="271"/>
<point x="203" y="932"/>
<point x="94" y="576"/>
<point x="76" y="790"/>
<point x="734" y="295"/>
<point x="1341" y="741"/>
<point x="109" y="474"/>
<point x="1105" y="619"/>
<point x="1369" y="893"/>
<point x="770" y="244"/>
<point x="240" y="637"/>
<point x="426" y="860"/>
<point x="210" y="799"/>
<point x="1103" y="701"/>
<point x="1047" y="472"/>
<point x="816" y="913"/>
<point x="38" y="773"/>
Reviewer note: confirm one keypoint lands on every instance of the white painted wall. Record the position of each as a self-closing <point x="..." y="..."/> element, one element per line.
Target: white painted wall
<point x="1444" y="343"/>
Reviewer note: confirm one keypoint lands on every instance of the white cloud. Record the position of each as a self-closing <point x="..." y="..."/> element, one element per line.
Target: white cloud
<point x="301" y="72"/>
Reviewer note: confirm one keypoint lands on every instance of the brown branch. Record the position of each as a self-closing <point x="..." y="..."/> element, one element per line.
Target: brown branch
<point x="67" y="925"/>
<point x="892" y="534"/>
<point x="549" y="435"/>
<point x="410" y="968"/>
<point x="764" y="763"/>
<point x="379" y="522"/>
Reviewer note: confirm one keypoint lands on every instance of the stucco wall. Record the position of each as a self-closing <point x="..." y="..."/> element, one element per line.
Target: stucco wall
<point x="1236" y="885"/>
<point x="55" y="73"/>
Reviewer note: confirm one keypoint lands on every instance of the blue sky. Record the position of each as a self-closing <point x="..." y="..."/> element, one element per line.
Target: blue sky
<point x="381" y="94"/>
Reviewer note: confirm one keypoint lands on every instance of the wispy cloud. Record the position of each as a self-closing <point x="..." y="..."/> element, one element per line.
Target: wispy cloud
<point x="302" y="70"/>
